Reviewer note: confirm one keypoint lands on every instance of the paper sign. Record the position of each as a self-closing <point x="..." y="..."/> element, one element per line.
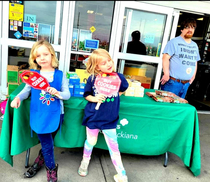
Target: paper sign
<point x="107" y="84"/>
<point x="91" y="44"/>
<point x="149" y="38"/>
<point x="18" y="35"/>
<point x="92" y="29"/>
<point x="35" y="80"/>
<point x="30" y="29"/>
<point x="30" y="18"/>
<point x="16" y="11"/>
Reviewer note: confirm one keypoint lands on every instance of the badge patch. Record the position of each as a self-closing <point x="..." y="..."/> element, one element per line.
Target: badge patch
<point x="188" y="70"/>
<point x="46" y="97"/>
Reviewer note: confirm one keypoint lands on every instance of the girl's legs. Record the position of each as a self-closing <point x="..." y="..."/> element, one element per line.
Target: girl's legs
<point x="92" y="135"/>
<point x="46" y="141"/>
<point x="39" y="161"/>
<point x="46" y="155"/>
<point x="111" y="140"/>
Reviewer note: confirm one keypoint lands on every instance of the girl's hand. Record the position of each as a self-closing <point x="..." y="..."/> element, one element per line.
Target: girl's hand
<point x="97" y="98"/>
<point x="52" y="91"/>
<point x="100" y="98"/>
<point x="15" y="103"/>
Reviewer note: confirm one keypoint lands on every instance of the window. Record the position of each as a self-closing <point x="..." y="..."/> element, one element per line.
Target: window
<point x="92" y="20"/>
<point x="92" y="24"/>
<point x="139" y="68"/>
<point x="20" y="56"/>
<point x="151" y="27"/>
<point x="38" y="21"/>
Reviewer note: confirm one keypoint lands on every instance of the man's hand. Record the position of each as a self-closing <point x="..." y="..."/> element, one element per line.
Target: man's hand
<point x="164" y="79"/>
<point x="191" y="80"/>
<point x="193" y="77"/>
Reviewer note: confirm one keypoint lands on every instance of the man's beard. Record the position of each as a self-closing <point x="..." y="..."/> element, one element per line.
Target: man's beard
<point x="187" y="36"/>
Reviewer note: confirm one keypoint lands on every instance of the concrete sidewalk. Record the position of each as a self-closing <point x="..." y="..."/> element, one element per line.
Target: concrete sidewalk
<point x="139" y="168"/>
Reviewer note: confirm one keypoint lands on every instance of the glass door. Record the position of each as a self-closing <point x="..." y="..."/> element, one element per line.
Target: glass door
<point x="17" y="37"/>
<point x="143" y="31"/>
<point x="89" y="21"/>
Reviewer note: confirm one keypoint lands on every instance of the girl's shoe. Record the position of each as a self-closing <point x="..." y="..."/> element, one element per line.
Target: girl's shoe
<point x="119" y="178"/>
<point x="83" y="169"/>
<point x="52" y="175"/>
<point x="38" y="163"/>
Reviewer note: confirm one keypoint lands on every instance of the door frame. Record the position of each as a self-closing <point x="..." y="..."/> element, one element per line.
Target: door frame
<point x="6" y="41"/>
<point x="148" y="59"/>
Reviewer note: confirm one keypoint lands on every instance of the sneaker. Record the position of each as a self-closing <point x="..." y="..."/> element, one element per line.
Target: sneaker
<point x="83" y="169"/>
<point x="119" y="178"/>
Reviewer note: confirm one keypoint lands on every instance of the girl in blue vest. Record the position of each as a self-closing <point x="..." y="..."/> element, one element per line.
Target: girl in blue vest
<point x="46" y="110"/>
<point x="104" y="119"/>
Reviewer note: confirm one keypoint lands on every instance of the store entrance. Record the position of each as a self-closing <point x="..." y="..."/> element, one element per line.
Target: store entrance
<point x="143" y="31"/>
<point x="199" y="91"/>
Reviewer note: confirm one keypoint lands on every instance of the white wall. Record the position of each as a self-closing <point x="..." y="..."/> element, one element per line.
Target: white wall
<point x="194" y="6"/>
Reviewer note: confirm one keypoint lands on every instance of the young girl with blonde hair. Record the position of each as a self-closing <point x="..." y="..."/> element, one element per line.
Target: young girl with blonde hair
<point x="106" y="118"/>
<point x="46" y="115"/>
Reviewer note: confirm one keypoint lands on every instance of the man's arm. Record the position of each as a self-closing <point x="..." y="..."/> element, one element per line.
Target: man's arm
<point x="165" y="63"/>
<point x="193" y="77"/>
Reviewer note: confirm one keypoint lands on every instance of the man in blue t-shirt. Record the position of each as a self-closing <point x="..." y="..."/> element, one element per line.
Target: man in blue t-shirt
<point x="180" y="58"/>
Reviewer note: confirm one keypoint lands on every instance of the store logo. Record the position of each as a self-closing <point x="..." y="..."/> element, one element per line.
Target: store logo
<point x="124" y="122"/>
<point x="123" y="134"/>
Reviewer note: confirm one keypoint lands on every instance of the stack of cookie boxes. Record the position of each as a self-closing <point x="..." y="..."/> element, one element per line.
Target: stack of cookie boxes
<point x="75" y="87"/>
<point x="13" y="78"/>
<point x="135" y="89"/>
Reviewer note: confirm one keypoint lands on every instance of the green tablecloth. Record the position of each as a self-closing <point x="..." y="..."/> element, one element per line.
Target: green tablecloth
<point x="146" y="127"/>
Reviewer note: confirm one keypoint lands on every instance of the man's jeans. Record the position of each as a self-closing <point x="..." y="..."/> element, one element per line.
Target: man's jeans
<point x="175" y="87"/>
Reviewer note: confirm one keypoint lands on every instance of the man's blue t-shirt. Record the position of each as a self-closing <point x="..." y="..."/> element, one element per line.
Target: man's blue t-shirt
<point x="107" y="116"/>
<point x="183" y="58"/>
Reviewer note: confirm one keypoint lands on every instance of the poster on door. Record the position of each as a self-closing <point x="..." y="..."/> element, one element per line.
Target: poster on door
<point x="16" y="11"/>
<point x="83" y="35"/>
<point x="149" y="38"/>
<point x="14" y="24"/>
<point x="44" y="32"/>
<point x="75" y="39"/>
<point x="30" y="30"/>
